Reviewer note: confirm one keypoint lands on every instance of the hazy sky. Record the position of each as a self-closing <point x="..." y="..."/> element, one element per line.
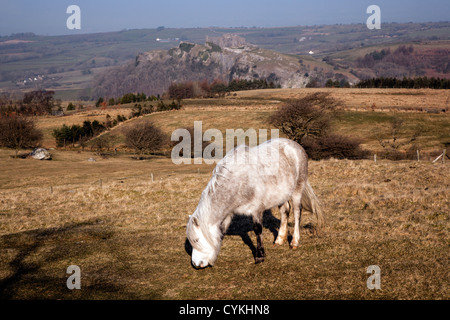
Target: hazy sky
<point x="49" y="16"/>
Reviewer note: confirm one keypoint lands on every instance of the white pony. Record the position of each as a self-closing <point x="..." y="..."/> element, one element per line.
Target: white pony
<point x="248" y="181"/>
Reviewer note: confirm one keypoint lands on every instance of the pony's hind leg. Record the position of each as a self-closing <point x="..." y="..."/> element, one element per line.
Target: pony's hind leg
<point x="283" y="231"/>
<point x="297" y="208"/>
<point x="296" y="237"/>
<point x="257" y="227"/>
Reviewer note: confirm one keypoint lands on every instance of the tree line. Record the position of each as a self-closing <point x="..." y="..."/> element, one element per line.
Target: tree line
<point x="81" y="134"/>
<point x="75" y="133"/>
<point x="191" y="89"/>
<point x="406" y="83"/>
<point x="34" y="103"/>
<point x="403" y="55"/>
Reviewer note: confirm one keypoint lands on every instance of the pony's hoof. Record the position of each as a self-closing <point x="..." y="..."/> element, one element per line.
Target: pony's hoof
<point x="259" y="260"/>
<point x="279" y="242"/>
<point x="293" y="247"/>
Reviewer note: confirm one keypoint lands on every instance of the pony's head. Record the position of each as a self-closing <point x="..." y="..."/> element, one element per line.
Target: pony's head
<point x="205" y="247"/>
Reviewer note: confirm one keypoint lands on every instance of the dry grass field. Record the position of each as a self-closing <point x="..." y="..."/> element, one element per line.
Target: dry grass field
<point x="127" y="232"/>
<point x="364" y="99"/>
<point x="251" y="109"/>
<point x="48" y="123"/>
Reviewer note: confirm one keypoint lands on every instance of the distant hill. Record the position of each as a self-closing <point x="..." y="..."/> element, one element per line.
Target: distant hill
<point x="221" y="59"/>
<point x="68" y="64"/>
<point x="413" y="59"/>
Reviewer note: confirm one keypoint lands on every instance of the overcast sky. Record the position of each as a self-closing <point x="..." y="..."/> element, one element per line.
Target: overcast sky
<point x="48" y="17"/>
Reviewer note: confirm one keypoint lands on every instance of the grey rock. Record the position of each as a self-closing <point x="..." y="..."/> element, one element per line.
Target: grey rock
<point x="41" y="154"/>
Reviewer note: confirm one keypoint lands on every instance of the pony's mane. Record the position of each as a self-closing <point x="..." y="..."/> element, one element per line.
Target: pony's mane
<point x="221" y="171"/>
<point x="218" y="177"/>
<point x="204" y="213"/>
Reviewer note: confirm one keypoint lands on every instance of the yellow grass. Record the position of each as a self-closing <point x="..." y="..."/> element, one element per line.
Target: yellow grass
<point x="360" y="99"/>
<point x="128" y="234"/>
<point x="127" y="231"/>
<point x="251" y="109"/>
<point x="48" y="123"/>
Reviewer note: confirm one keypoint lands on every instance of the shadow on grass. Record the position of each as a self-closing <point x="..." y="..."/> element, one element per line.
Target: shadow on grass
<point x="30" y="276"/>
<point x="242" y="225"/>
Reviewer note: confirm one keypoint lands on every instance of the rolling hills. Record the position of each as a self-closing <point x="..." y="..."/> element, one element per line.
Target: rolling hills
<point x="153" y="72"/>
<point x="68" y="64"/>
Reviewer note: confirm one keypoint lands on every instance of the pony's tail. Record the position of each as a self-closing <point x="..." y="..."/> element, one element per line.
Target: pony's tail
<point x="311" y="203"/>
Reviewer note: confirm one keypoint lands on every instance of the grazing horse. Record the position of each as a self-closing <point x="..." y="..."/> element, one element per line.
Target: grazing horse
<point x="248" y="181"/>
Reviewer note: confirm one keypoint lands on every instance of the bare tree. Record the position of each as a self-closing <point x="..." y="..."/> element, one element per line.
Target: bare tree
<point x="102" y="142"/>
<point x="308" y="122"/>
<point x="145" y="137"/>
<point x="19" y="132"/>
<point x="397" y="137"/>
<point x="309" y="116"/>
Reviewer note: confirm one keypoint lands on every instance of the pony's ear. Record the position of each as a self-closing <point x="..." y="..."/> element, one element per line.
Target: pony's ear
<point x="195" y="221"/>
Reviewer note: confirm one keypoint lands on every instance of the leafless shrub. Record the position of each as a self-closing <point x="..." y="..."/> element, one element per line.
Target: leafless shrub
<point x="398" y="139"/>
<point x="145" y="137"/>
<point x="309" y="116"/>
<point x="19" y="132"/>
<point x="334" y="146"/>
<point x="103" y="142"/>
<point x="308" y="121"/>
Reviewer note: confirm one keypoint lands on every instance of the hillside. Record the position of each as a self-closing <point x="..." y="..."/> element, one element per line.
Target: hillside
<point x="68" y="64"/>
<point x="362" y="112"/>
<point x="229" y="58"/>
<point x="429" y="58"/>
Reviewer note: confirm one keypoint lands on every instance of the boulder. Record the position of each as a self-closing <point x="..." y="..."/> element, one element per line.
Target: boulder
<point x="41" y="154"/>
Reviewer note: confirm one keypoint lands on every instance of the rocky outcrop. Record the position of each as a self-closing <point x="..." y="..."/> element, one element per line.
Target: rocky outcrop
<point x="228" y="41"/>
<point x="225" y="58"/>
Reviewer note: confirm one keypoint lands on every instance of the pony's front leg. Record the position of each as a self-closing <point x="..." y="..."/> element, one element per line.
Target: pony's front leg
<point x="283" y="230"/>
<point x="257" y="227"/>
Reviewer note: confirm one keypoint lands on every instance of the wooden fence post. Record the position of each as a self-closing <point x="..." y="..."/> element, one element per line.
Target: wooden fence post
<point x="434" y="161"/>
